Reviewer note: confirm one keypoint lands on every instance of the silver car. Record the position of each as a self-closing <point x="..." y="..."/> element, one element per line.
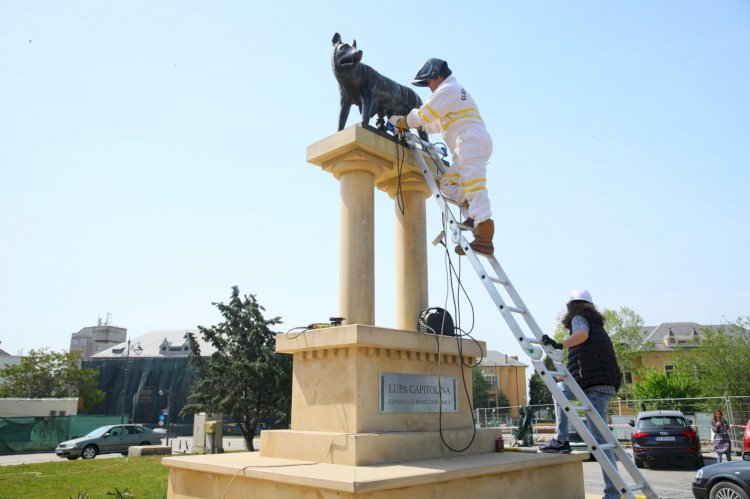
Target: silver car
<point x="108" y="440"/>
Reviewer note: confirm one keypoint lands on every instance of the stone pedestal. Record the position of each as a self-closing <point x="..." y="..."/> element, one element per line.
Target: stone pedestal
<point x="377" y="413"/>
<point x="342" y="411"/>
<point x="345" y="442"/>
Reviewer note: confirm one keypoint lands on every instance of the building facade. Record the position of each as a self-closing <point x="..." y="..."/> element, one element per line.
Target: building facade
<point x="506" y="375"/>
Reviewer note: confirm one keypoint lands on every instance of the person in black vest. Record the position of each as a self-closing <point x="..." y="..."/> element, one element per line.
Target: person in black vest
<point x="593" y="364"/>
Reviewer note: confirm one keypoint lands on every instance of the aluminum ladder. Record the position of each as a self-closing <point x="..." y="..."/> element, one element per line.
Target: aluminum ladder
<point x="498" y="280"/>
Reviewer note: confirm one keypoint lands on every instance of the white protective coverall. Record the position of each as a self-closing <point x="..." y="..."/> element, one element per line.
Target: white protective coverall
<point x="451" y="111"/>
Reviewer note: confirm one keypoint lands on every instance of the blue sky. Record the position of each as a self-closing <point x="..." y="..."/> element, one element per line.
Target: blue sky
<point x="152" y="155"/>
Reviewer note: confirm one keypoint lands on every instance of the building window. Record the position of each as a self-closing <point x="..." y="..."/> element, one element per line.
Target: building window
<point x="53" y="413"/>
<point x="668" y="368"/>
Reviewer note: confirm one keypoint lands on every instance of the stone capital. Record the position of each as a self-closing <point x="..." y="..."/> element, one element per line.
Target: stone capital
<point x="355" y="160"/>
<point x="411" y="181"/>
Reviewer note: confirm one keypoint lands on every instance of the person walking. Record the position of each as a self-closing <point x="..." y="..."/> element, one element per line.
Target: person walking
<point x="451" y="111"/>
<point x="593" y="365"/>
<point x="722" y="442"/>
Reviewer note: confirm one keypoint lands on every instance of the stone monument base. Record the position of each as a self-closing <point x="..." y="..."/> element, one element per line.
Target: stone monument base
<point x="502" y="474"/>
<point x="364" y="449"/>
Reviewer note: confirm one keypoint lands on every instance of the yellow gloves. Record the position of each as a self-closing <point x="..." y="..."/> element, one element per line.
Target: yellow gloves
<point x="398" y="122"/>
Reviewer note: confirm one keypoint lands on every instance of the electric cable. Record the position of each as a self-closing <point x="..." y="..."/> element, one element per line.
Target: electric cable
<point x="303" y="328"/>
<point x="400" y="167"/>
<point x="330" y="446"/>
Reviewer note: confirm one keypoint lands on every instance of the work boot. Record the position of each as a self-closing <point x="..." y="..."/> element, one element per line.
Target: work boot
<point x="482" y="242"/>
<point x="467" y="224"/>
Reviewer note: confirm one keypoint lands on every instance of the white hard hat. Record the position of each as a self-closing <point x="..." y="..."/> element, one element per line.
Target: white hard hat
<point x="580" y="294"/>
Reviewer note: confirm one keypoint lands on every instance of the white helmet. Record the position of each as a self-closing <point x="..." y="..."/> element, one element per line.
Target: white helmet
<point x="581" y="294"/>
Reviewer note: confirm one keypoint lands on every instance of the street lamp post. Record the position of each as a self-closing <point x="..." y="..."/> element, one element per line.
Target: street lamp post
<point x="137" y="348"/>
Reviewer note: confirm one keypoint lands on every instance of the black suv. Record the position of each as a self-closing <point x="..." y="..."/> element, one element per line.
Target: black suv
<point x="665" y="436"/>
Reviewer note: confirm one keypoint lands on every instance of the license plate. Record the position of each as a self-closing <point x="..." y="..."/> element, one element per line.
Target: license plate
<point x="664" y="439"/>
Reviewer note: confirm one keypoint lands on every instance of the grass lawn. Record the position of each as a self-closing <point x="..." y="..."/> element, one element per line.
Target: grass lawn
<point x="143" y="477"/>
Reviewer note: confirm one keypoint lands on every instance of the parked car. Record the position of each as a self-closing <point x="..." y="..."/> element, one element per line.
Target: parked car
<point x="665" y="436"/>
<point x="107" y="440"/>
<point x="727" y="480"/>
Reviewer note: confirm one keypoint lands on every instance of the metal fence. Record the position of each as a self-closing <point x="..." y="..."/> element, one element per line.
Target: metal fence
<point x="21" y="435"/>
<point x="700" y="410"/>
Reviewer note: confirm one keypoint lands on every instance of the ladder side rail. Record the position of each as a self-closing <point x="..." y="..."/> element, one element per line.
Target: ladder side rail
<point x="587" y="436"/>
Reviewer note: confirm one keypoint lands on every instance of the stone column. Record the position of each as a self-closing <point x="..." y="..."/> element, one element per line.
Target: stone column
<point x="357" y="170"/>
<point x="362" y="160"/>
<point x="411" y="247"/>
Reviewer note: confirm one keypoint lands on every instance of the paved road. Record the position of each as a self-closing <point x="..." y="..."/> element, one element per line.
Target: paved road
<point x="669" y="483"/>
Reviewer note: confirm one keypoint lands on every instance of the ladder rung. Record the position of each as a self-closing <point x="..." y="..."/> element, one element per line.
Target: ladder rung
<point x="557" y="373"/>
<point x="606" y="446"/>
<point x="579" y="408"/>
<point x="635" y="486"/>
<point x="497" y="280"/>
<point x="514" y="309"/>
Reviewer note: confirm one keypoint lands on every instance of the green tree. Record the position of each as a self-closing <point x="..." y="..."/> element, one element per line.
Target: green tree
<point x="480" y="387"/>
<point x="625" y="328"/>
<point x="539" y="394"/>
<point x="244" y="377"/>
<point x="675" y="385"/>
<point x="720" y="362"/>
<point x="44" y="373"/>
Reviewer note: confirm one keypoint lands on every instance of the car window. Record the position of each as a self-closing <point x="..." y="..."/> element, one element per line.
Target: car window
<point x="134" y="430"/>
<point x="662" y="422"/>
<point x="116" y="431"/>
<point x="97" y="432"/>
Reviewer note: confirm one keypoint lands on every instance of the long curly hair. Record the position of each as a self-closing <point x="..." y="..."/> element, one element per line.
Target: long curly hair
<point x="585" y="309"/>
<point x="718" y="416"/>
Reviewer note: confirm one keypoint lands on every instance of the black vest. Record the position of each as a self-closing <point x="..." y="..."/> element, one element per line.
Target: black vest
<point x="593" y="362"/>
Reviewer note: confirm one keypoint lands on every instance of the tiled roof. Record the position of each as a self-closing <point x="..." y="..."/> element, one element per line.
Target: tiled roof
<point x="494" y="358"/>
<point x="170" y="343"/>
<point x="670" y="335"/>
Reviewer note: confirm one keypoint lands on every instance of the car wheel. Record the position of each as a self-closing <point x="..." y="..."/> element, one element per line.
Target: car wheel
<point x="73" y="458"/>
<point x="727" y="490"/>
<point x="638" y="462"/>
<point x="88" y="452"/>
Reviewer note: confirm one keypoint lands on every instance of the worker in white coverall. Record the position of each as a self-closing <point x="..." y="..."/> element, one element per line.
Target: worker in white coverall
<point x="451" y="111"/>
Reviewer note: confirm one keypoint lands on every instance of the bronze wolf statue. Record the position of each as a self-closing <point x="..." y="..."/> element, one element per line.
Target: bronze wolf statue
<point x="371" y="92"/>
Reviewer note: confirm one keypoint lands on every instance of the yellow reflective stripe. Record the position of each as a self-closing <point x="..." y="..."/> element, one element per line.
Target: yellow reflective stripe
<point x="431" y="111"/>
<point x="451" y="175"/>
<point x="466" y="110"/>
<point x="425" y="117"/>
<point x="473" y="182"/>
<point x="475" y="189"/>
<point x="449" y="123"/>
